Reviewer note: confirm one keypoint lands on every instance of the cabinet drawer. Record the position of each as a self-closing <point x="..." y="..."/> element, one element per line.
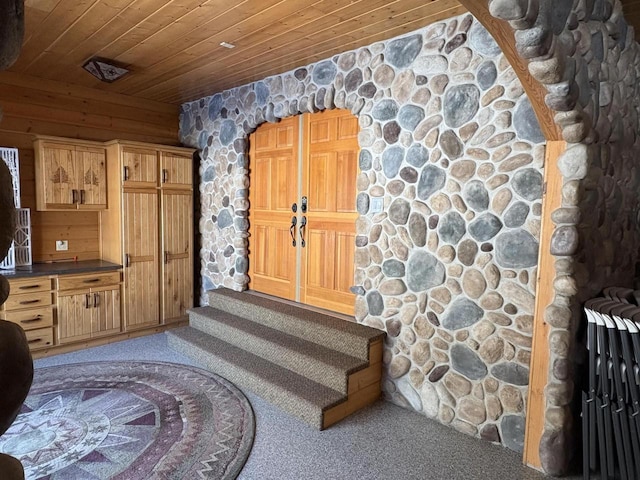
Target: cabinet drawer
<point x="30" y="319"/>
<point x="30" y="285"/>
<point x="28" y="300"/>
<point x="40" y="338"/>
<point x="88" y="281"/>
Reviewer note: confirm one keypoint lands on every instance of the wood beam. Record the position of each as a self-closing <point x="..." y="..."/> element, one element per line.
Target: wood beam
<point x="502" y="32"/>
<point x="539" y="368"/>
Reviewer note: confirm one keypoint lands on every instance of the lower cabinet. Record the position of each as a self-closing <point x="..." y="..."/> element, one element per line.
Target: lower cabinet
<point x="30" y="305"/>
<point x="88" y="306"/>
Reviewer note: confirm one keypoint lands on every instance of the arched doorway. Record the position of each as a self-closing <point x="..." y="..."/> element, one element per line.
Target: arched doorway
<point x="302" y="215"/>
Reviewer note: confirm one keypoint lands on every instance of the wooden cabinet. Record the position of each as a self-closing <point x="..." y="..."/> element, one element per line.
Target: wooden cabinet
<point x="30" y="305"/>
<point x="70" y="174"/>
<point x="150" y="220"/>
<point x="88" y="306"/>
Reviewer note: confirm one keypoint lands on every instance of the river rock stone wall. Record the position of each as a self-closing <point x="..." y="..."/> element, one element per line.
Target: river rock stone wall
<point x="449" y="141"/>
<point x="588" y="59"/>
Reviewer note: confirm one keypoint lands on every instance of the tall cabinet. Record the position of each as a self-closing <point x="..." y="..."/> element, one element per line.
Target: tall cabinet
<point x="148" y="228"/>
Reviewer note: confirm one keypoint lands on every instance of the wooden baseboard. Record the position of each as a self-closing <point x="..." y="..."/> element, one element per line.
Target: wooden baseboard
<point x="73" y="347"/>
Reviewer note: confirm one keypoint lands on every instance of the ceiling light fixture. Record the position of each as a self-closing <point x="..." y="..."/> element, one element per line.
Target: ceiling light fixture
<point x="104" y="70"/>
<point x="227" y="45"/>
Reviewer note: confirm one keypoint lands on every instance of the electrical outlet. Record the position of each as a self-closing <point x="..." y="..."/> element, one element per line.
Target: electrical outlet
<point x="62" y="245"/>
<point x="377" y="204"/>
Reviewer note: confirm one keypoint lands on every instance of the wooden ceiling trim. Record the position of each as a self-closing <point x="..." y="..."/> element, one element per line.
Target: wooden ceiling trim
<point x="175" y="63"/>
<point x="274" y="48"/>
<point x="322" y="45"/>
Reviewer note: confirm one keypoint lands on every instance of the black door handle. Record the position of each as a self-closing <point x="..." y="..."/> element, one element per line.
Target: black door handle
<point x="292" y="229"/>
<point x="303" y="224"/>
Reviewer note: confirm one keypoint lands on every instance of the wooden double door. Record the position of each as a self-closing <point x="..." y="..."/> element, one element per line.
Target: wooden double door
<point x="302" y="216"/>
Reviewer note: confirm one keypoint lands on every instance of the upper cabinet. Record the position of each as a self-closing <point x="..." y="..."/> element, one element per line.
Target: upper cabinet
<point x="70" y="174"/>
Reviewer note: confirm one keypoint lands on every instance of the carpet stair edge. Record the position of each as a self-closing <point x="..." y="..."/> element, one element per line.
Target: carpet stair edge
<point x="208" y="352"/>
<point x="346" y="337"/>
<point x="313" y="361"/>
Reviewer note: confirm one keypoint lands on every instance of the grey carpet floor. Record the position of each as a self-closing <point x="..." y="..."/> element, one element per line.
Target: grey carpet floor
<point x="383" y="442"/>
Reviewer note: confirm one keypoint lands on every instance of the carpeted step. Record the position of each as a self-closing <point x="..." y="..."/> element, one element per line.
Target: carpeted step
<point x="347" y="337"/>
<point x="293" y="393"/>
<point x="316" y="362"/>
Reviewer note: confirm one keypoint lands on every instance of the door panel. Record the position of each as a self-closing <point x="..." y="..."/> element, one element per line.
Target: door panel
<point x="330" y="178"/>
<point x="329" y="166"/>
<point x="140" y="168"/>
<point x="92" y="182"/>
<point x="175" y="170"/>
<point x="141" y="259"/>
<point x="177" y="286"/>
<point x="106" y="314"/>
<point x="274" y="188"/>
<point x="74" y="316"/>
<point x="61" y="176"/>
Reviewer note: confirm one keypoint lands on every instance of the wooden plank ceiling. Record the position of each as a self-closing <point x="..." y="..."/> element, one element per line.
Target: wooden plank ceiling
<point x="172" y="47"/>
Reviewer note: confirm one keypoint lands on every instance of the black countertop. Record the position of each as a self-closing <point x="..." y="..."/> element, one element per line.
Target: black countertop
<point x="60" y="268"/>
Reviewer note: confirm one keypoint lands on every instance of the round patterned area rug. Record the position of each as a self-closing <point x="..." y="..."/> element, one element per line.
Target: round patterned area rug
<point x="131" y="421"/>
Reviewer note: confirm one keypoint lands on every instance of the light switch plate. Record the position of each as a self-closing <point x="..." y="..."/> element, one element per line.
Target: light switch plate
<point x="62" y="245"/>
<point x="377" y="204"/>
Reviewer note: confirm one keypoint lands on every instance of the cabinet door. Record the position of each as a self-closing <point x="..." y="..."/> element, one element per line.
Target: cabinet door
<point x="140" y="210"/>
<point x="175" y="170"/>
<point x="106" y="318"/>
<point x="92" y="183"/>
<point x="177" y="261"/>
<point x="140" y="167"/>
<point x="58" y="179"/>
<point x="74" y="316"/>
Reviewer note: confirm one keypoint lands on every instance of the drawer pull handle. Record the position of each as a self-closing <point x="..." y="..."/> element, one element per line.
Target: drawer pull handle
<point x="96" y="299"/>
<point x="87" y="300"/>
<point x="82" y="196"/>
<point x="35" y="340"/>
<point x="29" y="302"/>
<point x="92" y="280"/>
<point x="165" y="175"/>
<point x="28" y="287"/>
<point x="126" y="173"/>
<point x="32" y="320"/>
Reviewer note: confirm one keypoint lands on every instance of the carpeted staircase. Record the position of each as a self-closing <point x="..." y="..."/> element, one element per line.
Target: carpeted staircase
<point x="315" y="366"/>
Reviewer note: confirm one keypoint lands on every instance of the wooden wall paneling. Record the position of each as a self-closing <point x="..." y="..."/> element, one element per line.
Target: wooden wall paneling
<point x="66" y="116"/>
<point x="545" y="294"/>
